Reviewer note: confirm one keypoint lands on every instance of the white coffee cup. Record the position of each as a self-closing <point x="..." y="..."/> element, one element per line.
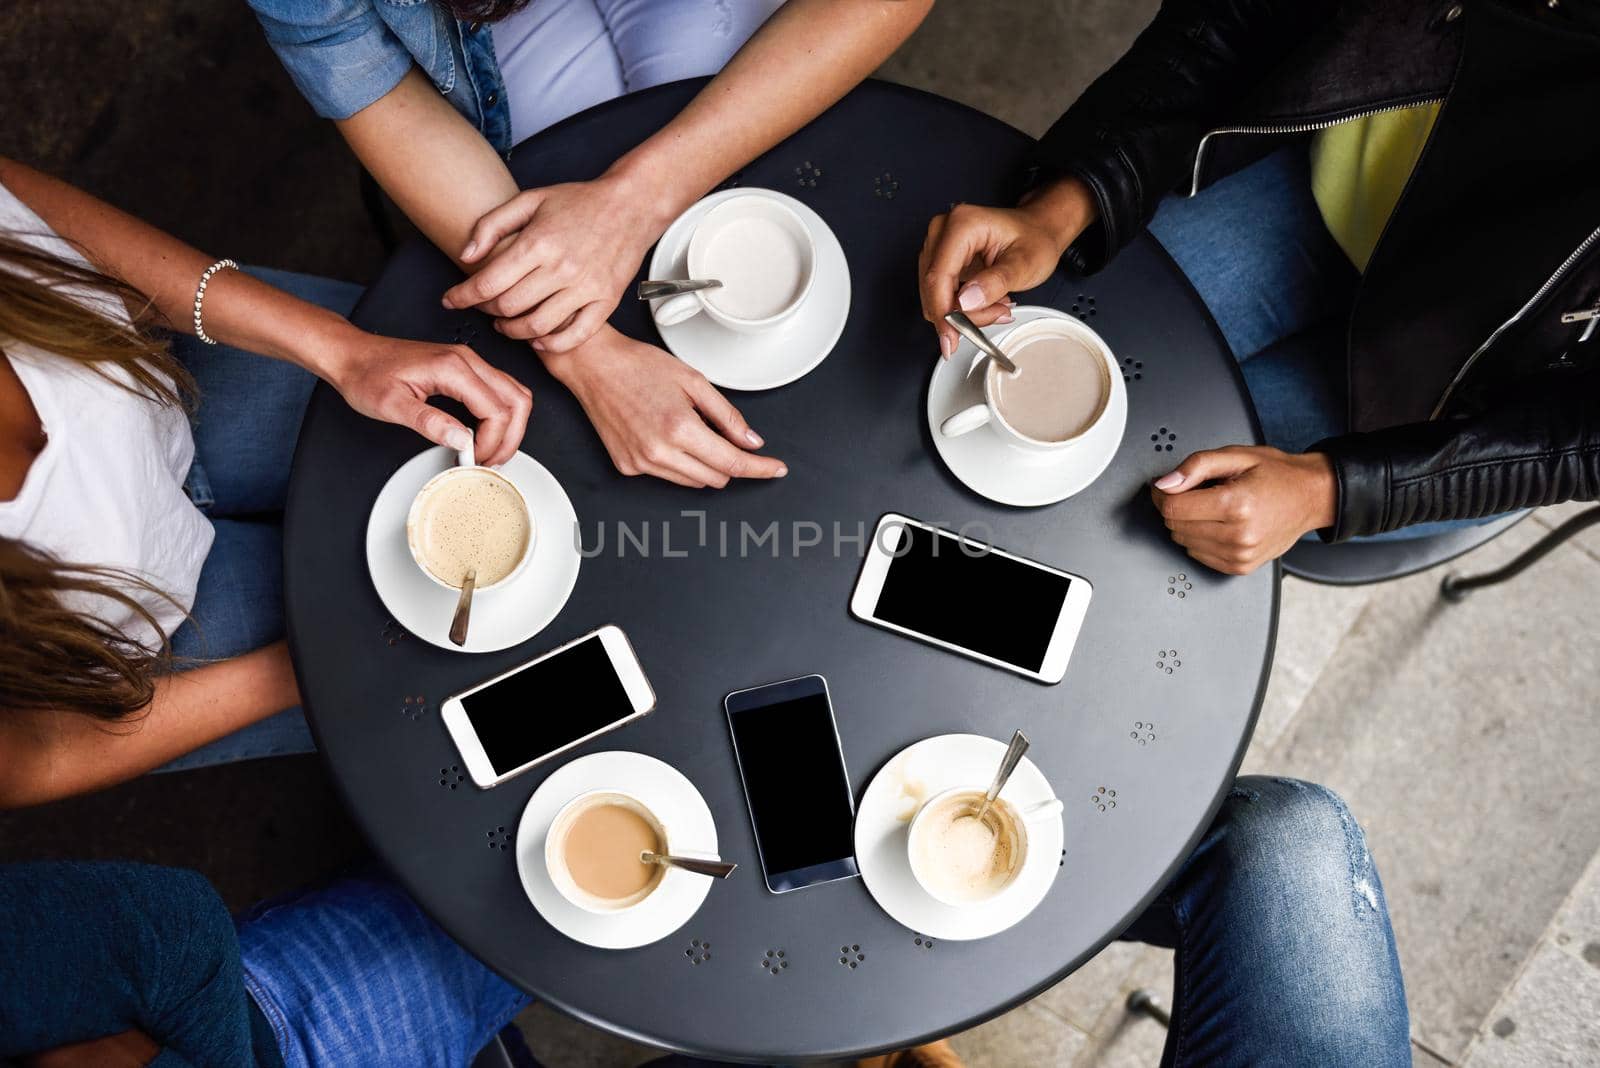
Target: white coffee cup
<point x="763" y="254"/>
<point x="464" y="467"/>
<point x="988" y="413"/>
<point x="1018" y="819"/>
<point x="555" y="861"/>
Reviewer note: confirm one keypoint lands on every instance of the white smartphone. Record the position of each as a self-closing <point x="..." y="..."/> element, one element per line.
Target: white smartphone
<point x="971" y="598"/>
<point x="545" y="707"/>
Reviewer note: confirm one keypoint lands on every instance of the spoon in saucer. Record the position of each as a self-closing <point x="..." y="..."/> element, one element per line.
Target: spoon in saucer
<point x="1008" y="764"/>
<point x="650" y="289"/>
<point x="717" y="869"/>
<point x="973" y="333"/>
<point x="458" y="625"/>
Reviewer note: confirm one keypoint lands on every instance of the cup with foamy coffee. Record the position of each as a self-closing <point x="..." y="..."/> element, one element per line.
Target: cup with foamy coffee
<point x="961" y="860"/>
<point x="470" y="518"/>
<point x="594" y="851"/>
<point x="1061" y="388"/>
<point x="761" y="252"/>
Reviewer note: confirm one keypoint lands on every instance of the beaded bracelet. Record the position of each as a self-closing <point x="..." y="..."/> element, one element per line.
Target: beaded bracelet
<point x="200" y="296"/>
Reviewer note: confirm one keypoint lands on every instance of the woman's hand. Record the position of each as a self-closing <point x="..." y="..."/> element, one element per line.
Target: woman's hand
<point x="658" y="416"/>
<point x="1260" y="501"/>
<point x="391" y="379"/>
<point x="989" y="253"/>
<point x="127" y="1049"/>
<point x="555" y="261"/>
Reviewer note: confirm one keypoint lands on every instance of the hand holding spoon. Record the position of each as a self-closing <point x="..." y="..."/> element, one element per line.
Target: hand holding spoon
<point x="1008" y="764"/>
<point x="458" y="625"/>
<point x="973" y="333"/>
<point x="717" y="869"/>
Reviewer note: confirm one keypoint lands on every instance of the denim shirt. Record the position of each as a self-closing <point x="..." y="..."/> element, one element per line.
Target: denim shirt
<point x="345" y="54"/>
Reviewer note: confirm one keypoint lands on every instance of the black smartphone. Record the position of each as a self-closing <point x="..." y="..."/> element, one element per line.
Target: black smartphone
<point x="795" y="782"/>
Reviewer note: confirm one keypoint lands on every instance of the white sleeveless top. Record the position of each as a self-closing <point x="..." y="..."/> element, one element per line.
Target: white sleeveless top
<point x="108" y="488"/>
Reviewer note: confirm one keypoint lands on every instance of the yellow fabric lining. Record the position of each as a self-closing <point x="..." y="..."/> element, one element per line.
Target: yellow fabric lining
<point x="1359" y="169"/>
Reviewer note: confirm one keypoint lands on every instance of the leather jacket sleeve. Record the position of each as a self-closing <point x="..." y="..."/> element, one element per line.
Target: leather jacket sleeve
<point x="1132" y="135"/>
<point x="1540" y="445"/>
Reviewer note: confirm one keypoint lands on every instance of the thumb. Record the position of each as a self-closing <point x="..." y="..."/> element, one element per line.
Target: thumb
<point x="1202" y="467"/>
<point x="495" y="224"/>
<point x="989" y="286"/>
<point x="434" y="424"/>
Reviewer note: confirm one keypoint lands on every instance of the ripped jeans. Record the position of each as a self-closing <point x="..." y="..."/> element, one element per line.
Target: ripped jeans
<point x="1284" y="953"/>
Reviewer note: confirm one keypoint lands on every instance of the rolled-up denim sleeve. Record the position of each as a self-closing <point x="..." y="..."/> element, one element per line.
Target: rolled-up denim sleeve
<point x="340" y="53"/>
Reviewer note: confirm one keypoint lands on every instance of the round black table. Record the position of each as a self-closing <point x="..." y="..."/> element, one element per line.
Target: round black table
<point x="1158" y="702"/>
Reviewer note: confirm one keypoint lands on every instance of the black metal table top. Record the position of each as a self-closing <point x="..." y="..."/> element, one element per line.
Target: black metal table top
<point x="1157" y="704"/>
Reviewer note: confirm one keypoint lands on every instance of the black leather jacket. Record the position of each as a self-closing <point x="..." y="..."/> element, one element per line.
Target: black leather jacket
<point x="1469" y="393"/>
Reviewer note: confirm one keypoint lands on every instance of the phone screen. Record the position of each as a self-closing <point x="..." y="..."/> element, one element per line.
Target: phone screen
<point x="937" y="588"/>
<point x="547" y="705"/>
<point x="794" y="778"/>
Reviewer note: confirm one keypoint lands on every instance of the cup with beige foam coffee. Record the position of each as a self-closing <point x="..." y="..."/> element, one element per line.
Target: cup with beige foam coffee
<point x="470" y="518"/>
<point x="963" y="861"/>
<point x="1060" y="391"/>
<point x="594" y="851"/>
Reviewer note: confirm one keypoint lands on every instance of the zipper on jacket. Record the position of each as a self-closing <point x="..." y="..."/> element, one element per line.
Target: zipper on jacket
<point x="1295" y="128"/>
<point x="1544" y="290"/>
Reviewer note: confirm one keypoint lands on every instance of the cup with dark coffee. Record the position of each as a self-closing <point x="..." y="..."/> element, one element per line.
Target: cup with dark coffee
<point x="594" y="851"/>
<point x="470" y="518"/>
<point x="962" y="860"/>
<point x="1059" y="392"/>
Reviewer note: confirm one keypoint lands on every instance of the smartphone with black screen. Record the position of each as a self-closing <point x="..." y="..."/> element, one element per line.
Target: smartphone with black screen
<point x="795" y="782"/>
<point x="971" y="598"/>
<point x="571" y="694"/>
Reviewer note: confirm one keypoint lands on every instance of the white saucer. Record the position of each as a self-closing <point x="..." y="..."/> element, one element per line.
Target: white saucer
<point x="678" y="805"/>
<point x="999" y="470"/>
<point x="502" y="617"/>
<point x="883" y="819"/>
<point x="774" y="357"/>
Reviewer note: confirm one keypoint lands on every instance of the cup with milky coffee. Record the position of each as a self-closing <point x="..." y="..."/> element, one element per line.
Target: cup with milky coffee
<point x="963" y="861"/>
<point x="470" y="518"/>
<point x="593" y="851"/>
<point x="1061" y="388"/>
<point x="761" y="252"/>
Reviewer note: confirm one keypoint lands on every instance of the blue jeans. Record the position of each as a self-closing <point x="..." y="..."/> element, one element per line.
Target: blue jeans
<point x="244" y="436"/>
<point x="1255" y="248"/>
<point x="356" y="975"/>
<point x="1284" y="953"/>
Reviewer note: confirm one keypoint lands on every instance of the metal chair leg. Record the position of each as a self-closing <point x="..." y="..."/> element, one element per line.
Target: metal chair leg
<point x="1145" y="1003"/>
<point x="1455" y="587"/>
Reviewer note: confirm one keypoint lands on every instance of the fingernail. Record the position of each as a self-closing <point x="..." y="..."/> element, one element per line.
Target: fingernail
<point x="1010" y="303"/>
<point x="783" y="472"/>
<point x="971" y="298"/>
<point x="538" y="344"/>
<point x="754" y="439"/>
<point x="466" y="253"/>
<point x="1005" y="317"/>
<point x="458" y="439"/>
<point x="1170" y="480"/>
<point x="946" y="346"/>
<point x="446" y="302"/>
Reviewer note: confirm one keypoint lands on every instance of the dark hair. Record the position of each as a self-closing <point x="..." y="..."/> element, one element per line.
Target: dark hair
<point x="482" y="10"/>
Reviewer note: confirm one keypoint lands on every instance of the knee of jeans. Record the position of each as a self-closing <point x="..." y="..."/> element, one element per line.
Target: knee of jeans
<point x="1300" y="833"/>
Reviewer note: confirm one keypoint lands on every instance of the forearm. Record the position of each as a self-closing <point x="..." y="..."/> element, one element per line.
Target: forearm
<point x="808" y="55"/>
<point x="239" y="310"/>
<point x="50" y="755"/>
<point x="1537" y="447"/>
<point x="437" y="169"/>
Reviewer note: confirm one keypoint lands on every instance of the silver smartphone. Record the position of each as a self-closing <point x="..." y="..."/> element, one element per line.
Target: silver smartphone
<point x="795" y="782"/>
<point x="547" y="706"/>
